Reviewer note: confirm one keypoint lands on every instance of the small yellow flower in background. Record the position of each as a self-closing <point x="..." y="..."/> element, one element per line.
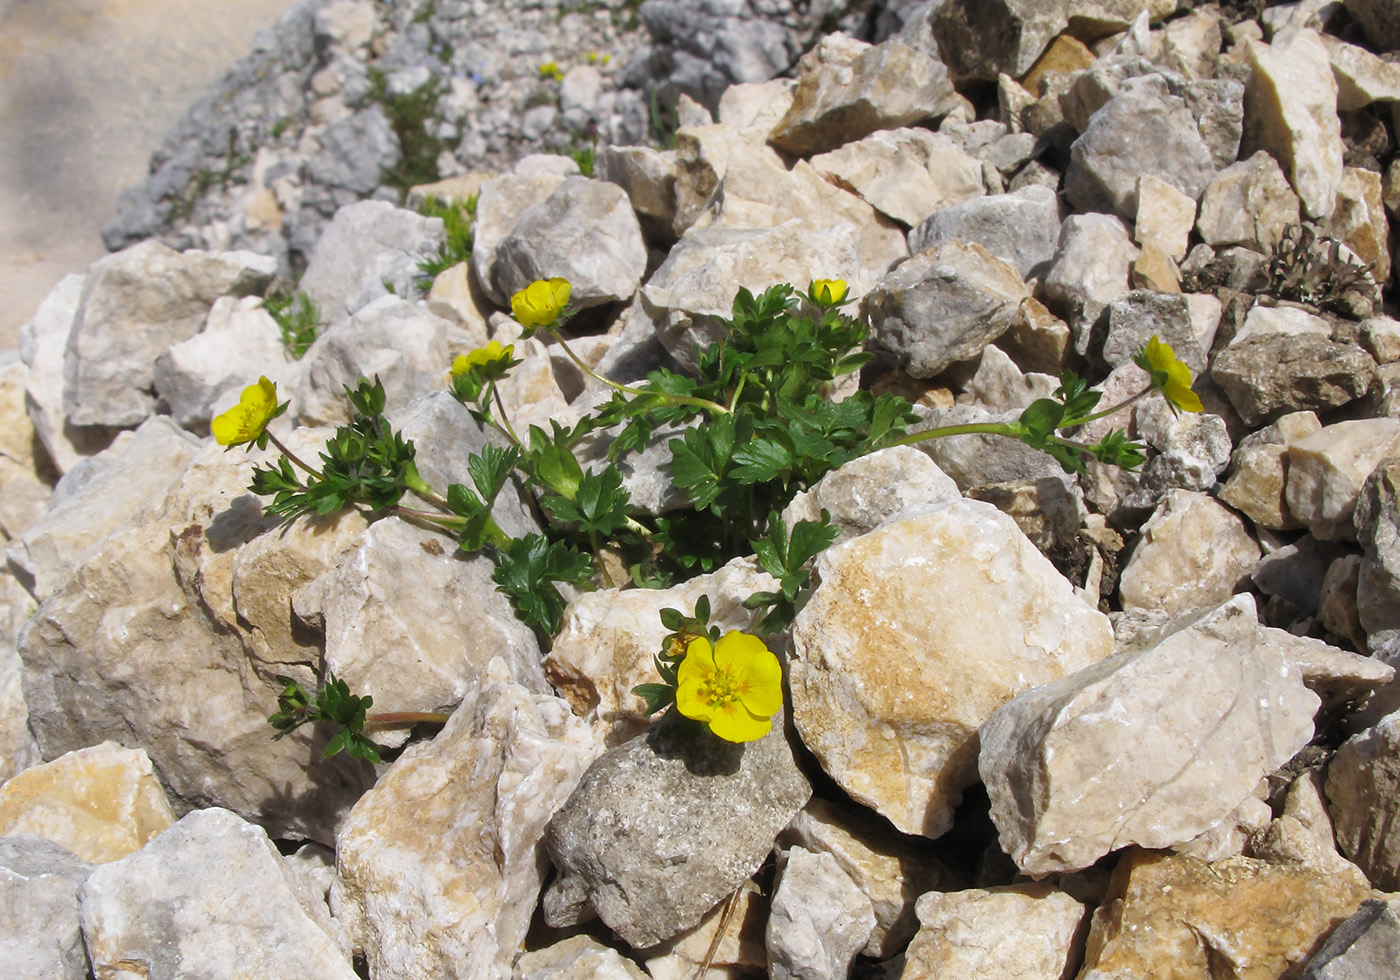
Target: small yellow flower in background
<point x="551" y="70"/>
<point x="827" y="292"/>
<point x="1169" y="376"/>
<point x="247" y="420"/>
<point x="735" y="687"/>
<point x="540" y="303"/>
<point x="492" y="354"/>
<point x="595" y="59"/>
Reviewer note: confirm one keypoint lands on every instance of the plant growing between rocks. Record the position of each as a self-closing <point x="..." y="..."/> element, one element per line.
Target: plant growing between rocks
<point x="754" y="426"/>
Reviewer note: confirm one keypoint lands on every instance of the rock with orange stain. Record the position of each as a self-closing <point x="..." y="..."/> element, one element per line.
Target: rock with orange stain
<point x="102" y="802"/>
<point x="1173" y="917"/>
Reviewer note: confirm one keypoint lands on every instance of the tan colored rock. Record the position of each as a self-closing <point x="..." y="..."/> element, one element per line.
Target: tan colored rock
<point x="906" y="174"/>
<point x="1175" y="917"/>
<point x="1164" y="216"/>
<point x="1193" y="553"/>
<point x="1065" y="53"/>
<point x="18" y="750"/>
<point x="17" y="436"/>
<point x="1303" y="833"/>
<point x="500" y="203"/>
<point x="1380" y="335"/>
<point x="893" y="670"/>
<point x="608" y="638"/>
<point x="647" y="175"/>
<point x="1289" y="321"/>
<point x="1362" y="77"/>
<point x="1337" y="610"/>
<point x="1339" y="677"/>
<point x="455" y="296"/>
<point x="702" y="156"/>
<point x="1190" y="44"/>
<point x="756" y="107"/>
<point x="844" y="98"/>
<point x="1358" y="219"/>
<point x="577" y="958"/>
<point x="1259" y="472"/>
<point x="1248" y="203"/>
<point x="102" y="802"/>
<point x="1091" y="268"/>
<point x="1037" y="339"/>
<point x="1154" y="269"/>
<point x="1363" y="792"/>
<point x="440" y="864"/>
<point x="453" y="190"/>
<point x="738" y="949"/>
<point x="1327" y="469"/>
<point x="1092" y="762"/>
<point x="1290" y="110"/>
<point x="1015" y="932"/>
<point x="871" y="489"/>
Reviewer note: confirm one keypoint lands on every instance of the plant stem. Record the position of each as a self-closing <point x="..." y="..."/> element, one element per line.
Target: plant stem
<point x="422" y="488"/>
<point x="938" y="432"/>
<point x="386" y="719"/>
<point x="705" y="403"/>
<point x="296" y="460"/>
<point x="453" y="523"/>
<point x="1112" y="408"/>
<point x="505" y="419"/>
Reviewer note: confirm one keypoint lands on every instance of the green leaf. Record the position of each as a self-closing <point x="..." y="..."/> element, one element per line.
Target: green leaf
<point x="490" y="468"/>
<point x="1042" y="417"/>
<point x="760" y="461"/>
<point x="657" y="696"/>
<point x="700" y="460"/>
<point x="556" y="467"/>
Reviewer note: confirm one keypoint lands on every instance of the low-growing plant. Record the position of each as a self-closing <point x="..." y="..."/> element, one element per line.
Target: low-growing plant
<point x="411" y="115"/>
<point x="754" y="425"/>
<point x="458" y="223"/>
<point x="297" y="317"/>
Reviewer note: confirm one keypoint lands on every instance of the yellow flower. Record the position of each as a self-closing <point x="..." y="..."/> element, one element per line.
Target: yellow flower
<point x="828" y="292"/>
<point x="540" y="303"/>
<point x="735" y="688"/>
<point x="246" y="421"/>
<point x="551" y="70"/>
<point x="490" y="355"/>
<point x="1169" y="376"/>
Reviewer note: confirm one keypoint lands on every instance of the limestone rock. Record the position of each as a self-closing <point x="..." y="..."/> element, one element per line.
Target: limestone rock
<point x="134" y="305"/>
<point x="1291" y="111"/>
<point x="1089" y="763"/>
<point x="906" y="174"/>
<point x="1266" y="376"/>
<point x="756" y="107"/>
<point x="1327" y="469"/>
<point x="1021" y="228"/>
<point x="1017" y="932"/>
<point x="577" y="958"/>
<point x="1337" y="609"/>
<point x="1143" y="130"/>
<point x="1249" y="203"/>
<point x="43" y="343"/>
<point x="1175" y="916"/>
<point x="1362" y="783"/>
<point x="40" y="887"/>
<point x="1267" y="321"/>
<point x="1259" y="471"/>
<point x="18" y="750"/>
<point x="499" y="204"/>
<point x="944" y="305"/>
<point x="365" y="245"/>
<point x="1089" y="271"/>
<point x="702" y="158"/>
<point x="1192" y="451"/>
<point x="998" y="385"/>
<point x="840" y="100"/>
<point x="608" y="638"/>
<point x="210" y="897"/>
<point x="674" y="797"/>
<point x="647" y="176"/>
<point x="871" y="489"/>
<point x="439" y="866"/>
<point x="978" y="459"/>
<point x="1164" y="216"/>
<point x="1365" y="945"/>
<point x="1137" y="316"/>
<point x="101" y="803"/>
<point x="1380" y="335"/>
<point x="891" y="673"/>
<point x="585" y="232"/>
<point x="819" y="920"/>
<point x="1377" y="523"/>
<point x="1358" y="219"/>
<point x="1379" y="21"/>
<point x="1037" y="339"/>
<point x="456" y="296"/>
<point x="734" y="946"/>
<point x="355" y="151"/>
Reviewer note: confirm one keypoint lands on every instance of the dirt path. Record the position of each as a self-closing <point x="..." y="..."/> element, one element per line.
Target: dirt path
<point x="87" y="90"/>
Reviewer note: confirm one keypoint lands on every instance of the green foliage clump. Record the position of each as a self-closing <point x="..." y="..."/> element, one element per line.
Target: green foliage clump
<point x="458" y="223"/>
<point x="297" y="317"/>
<point x="411" y="115"/>
<point x="333" y="703"/>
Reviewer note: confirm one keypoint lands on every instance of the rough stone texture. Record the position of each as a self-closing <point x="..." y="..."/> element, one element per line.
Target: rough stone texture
<point x="134" y="305"/>
<point x="944" y="305"/>
<point x="1151" y="747"/>
<point x="1358" y="220"/>
<point x="893" y="671"/>
<point x="1377" y="522"/>
<point x="577" y="958"/>
<point x="1143" y="130"/>
<point x="671" y="797"/>
<point x="1259" y="471"/>
<point x="608" y="638"/>
<point x="1363" y="791"/>
<point x="439" y="866"/>
<point x="101" y="803"/>
<point x="1265" y="321"/>
<point x="1249" y="203"/>
<point x="43" y="343"/>
<point x="18" y="750"/>
<point x="585" y="232"/>
<point x="1290" y="105"/>
<point x="1193" y="553"/>
<point x="998" y="385"/>
<point x="364" y="246"/>
<point x="647" y="176"/>
<point x="907" y="174"/>
<point x="819" y="919"/>
<point x="1379" y="20"/>
<point x="40" y="885"/>
<point x="871" y="489"/>
<point x="1364" y="946"/>
<point x="211" y="898"/>
<point x="855" y="92"/>
<point x="1175" y="917"/>
<point x="734" y="948"/>
<point x="1192" y="451"/>
<point x="1016" y="932"/>
<point x="1266" y="376"/>
<point x="1326" y="471"/>
<point x="1021" y="228"/>
<point x="1164" y="216"/>
<point x="499" y="204"/>
<point x="1089" y="271"/>
<point x="891" y="871"/>
<point x="1037" y="339"/>
<point x="1135" y="317"/>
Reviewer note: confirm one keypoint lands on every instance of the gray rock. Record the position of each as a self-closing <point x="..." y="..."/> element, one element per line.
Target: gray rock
<point x="1090" y="270"/>
<point x="1364" y="947"/>
<point x="40" y="884"/>
<point x="1089" y="763"/>
<point x="500" y="203"/>
<point x="42" y="343"/>
<point x="1326" y="471"/>
<point x="819" y="920"/>
<point x="944" y="305"/>
<point x="1192" y="451"/>
<point x="210" y="898"/>
<point x="1021" y="228"/>
<point x="1248" y="203"/>
<point x="585" y="232"/>
<point x="1362" y="783"/>
<point x="135" y="304"/>
<point x="366" y="245"/>
<point x="1267" y="376"/>
<point x="1135" y="317"/>
<point x="1295" y="571"/>
<point x="356" y="151"/>
<point x="1144" y="129"/>
<point x="648" y="177"/>
<point x="906" y="174"/>
<point x="978" y="459"/>
<point x="1377" y="522"/>
<point x="666" y="825"/>
<point x="1379" y="20"/>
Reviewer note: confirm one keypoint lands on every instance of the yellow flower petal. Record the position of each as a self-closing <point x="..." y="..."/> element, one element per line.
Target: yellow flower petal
<point x="734" y="687"/>
<point x="540" y="303"/>
<point x="246" y="421"/>
<point x="828" y="292"/>
<point x="735" y="723"/>
<point x="489" y="354"/>
<point x="758" y="676"/>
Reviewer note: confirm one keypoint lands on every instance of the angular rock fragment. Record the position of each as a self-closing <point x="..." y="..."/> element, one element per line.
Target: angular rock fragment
<point x="40" y="889"/>
<point x="1366" y="945"/>
<point x="1362" y="784"/>
<point x="577" y="958"/>
<point x="499" y="204"/>
<point x="1151" y="747"/>
<point x="1268" y="375"/>
<point x="1026" y="932"/>
<point x="1021" y="228"/>
<point x="819" y="919"/>
<point x="907" y="174"/>
<point x="1326" y="471"/>
<point x="1249" y="203"/>
<point x="1089" y="271"/>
